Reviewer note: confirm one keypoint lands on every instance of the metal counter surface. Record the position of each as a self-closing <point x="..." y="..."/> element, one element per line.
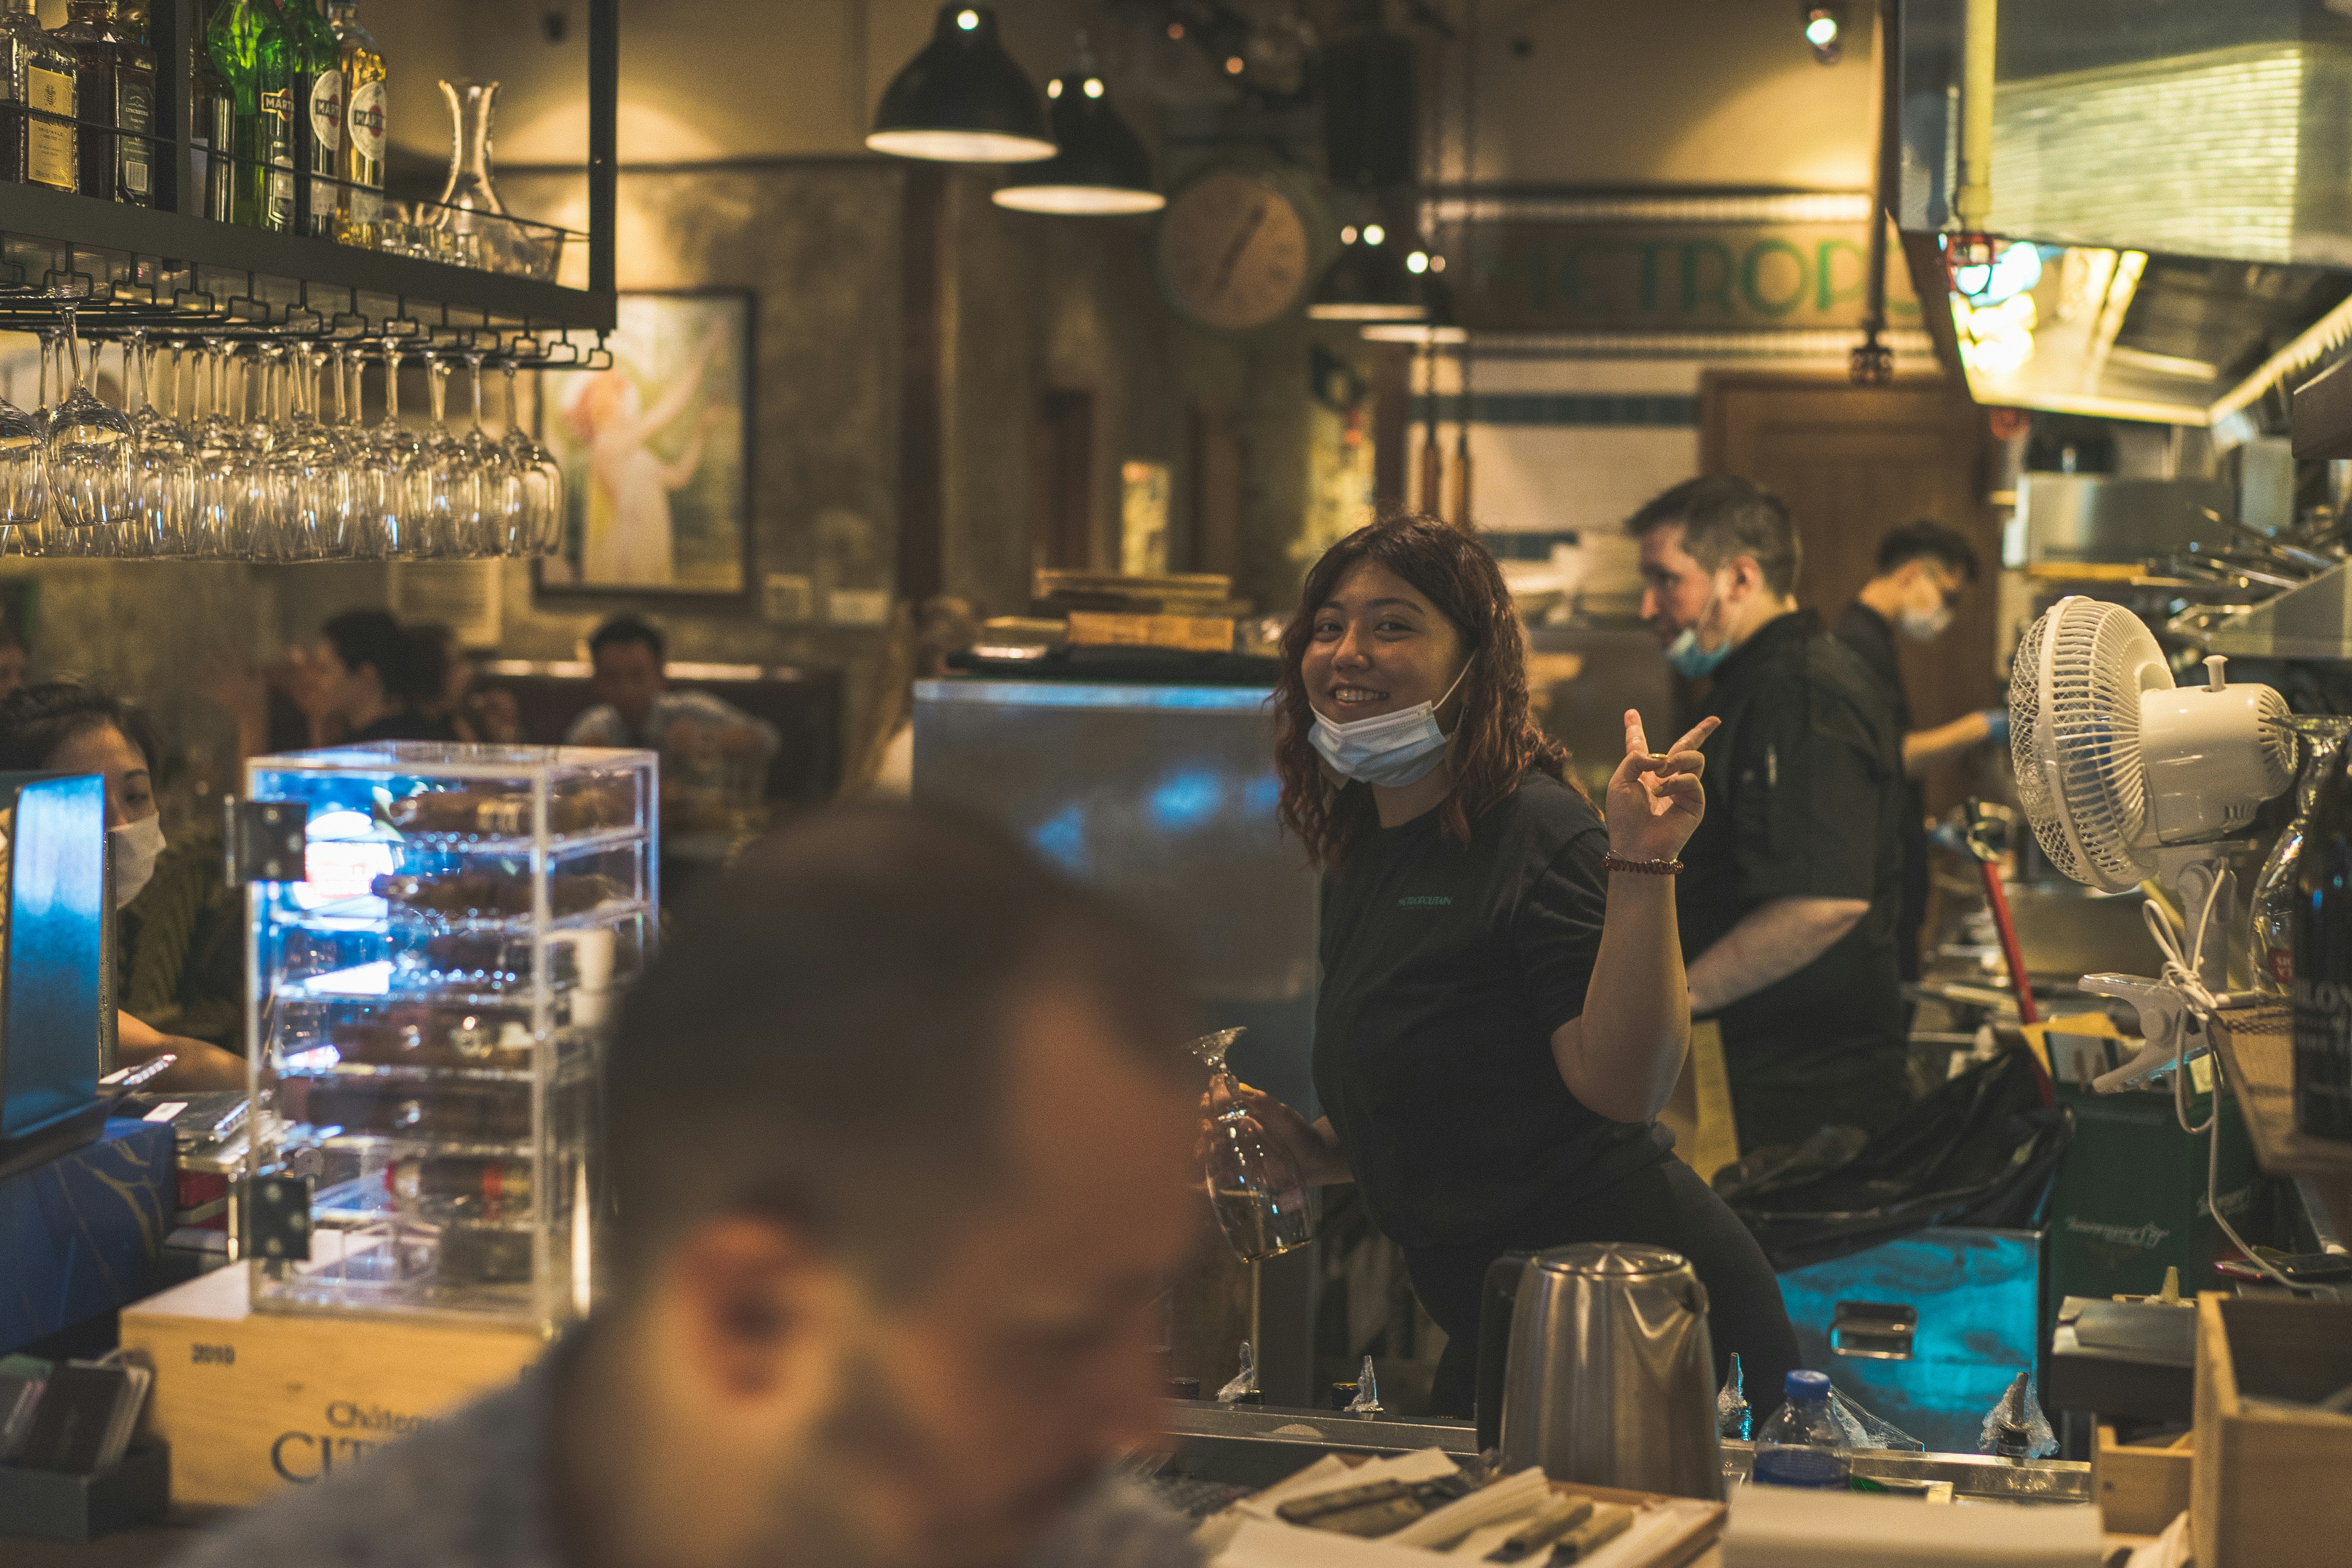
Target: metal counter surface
<point x="1258" y="1446"/>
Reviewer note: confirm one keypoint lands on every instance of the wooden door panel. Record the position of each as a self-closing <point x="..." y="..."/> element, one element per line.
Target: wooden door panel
<point x="1853" y="462"/>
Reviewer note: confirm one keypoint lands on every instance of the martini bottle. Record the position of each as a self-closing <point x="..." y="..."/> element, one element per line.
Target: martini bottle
<point x="315" y="68"/>
<point x="361" y="170"/>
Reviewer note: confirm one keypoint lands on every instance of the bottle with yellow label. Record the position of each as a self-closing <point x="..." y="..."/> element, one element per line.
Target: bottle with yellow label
<point x="47" y="150"/>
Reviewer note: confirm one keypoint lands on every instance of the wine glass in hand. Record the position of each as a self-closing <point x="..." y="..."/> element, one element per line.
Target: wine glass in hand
<point x="1253" y="1185"/>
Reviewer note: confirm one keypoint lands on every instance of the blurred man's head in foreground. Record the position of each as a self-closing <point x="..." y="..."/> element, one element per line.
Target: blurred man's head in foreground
<point x="901" y="1126"/>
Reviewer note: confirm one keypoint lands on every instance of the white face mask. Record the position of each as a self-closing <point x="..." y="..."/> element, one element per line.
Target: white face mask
<point x="136" y="846"/>
<point x="1925" y="626"/>
<point x="1392" y="749"/>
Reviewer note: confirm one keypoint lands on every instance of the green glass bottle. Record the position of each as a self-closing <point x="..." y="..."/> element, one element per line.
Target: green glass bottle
<point x="314" y="62"/>
<point x="248" y="49"/>
<point x="212" y="133"/>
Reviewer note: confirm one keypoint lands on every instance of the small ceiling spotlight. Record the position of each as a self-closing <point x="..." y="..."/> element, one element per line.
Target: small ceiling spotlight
<point x="1825" y="30"/>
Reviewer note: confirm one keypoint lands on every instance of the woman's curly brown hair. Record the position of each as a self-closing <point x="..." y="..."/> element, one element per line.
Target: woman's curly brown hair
<point x="1494" y="743"/>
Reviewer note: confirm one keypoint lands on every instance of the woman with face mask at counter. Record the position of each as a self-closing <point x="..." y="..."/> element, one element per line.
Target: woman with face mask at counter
<point x="59" y="727"/>
<point x="1501" y="1013"/>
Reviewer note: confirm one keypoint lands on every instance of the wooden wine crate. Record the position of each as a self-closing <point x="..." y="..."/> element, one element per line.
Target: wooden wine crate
<point x="2138" y="1490"/>
<point x="2267" y="1483"/>
<point x="251" y="1401"/>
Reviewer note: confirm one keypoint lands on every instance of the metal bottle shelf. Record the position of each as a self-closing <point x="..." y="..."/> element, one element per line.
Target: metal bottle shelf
<point x="174" y="272"/>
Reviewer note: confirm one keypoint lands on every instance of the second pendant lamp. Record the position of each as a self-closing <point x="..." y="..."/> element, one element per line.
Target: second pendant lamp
<point x="1102" y="167"/>
<point x="963" y="99"/>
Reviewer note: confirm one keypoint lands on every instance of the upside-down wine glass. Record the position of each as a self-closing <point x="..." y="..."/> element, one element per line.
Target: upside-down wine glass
<point x="90" y="448"/>
<point x="24" y="471"/>
<point x="394" y="467"/>
<point x="1254" y="1185"/>
<point x="505" y="526"/>
<point x="542" y="478"/>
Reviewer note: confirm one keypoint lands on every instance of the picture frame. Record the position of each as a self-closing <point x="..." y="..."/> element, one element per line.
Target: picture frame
<point x="657" y="452"/>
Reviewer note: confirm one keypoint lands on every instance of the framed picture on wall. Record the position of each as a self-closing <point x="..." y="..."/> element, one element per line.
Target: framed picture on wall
<point x="656" y="451"/>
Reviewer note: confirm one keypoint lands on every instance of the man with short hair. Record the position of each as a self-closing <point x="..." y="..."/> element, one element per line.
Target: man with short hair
<point x="637" y="707"/>
<point x="1788" y="900"/>
<point x="1923" y="569"/>
<point x="901" y="1128"/>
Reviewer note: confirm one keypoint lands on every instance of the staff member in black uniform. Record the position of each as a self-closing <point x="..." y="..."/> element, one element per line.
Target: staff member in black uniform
<point x="1923" y="569"/>
<point x="1796" y="875"/>
<point x="1501" y="1015"/>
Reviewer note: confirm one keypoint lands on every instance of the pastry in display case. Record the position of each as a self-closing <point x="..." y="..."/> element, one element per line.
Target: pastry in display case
<point x="429" y="1012"/>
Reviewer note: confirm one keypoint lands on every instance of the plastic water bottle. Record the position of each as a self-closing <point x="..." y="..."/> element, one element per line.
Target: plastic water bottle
<point x="1803" y="1445"/>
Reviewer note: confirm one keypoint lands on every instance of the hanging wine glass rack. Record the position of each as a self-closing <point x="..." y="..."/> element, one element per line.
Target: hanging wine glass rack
<point x="169" y="269"/>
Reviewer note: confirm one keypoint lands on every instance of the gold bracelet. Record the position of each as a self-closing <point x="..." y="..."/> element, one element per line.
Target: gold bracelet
<point x="1642" y="868"/>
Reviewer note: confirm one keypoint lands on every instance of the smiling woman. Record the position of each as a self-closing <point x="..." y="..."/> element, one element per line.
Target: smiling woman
<point x="1502" y="1010"/>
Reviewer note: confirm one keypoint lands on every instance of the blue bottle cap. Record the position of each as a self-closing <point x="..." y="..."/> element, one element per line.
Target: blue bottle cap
<point x="1807" y="1385"/>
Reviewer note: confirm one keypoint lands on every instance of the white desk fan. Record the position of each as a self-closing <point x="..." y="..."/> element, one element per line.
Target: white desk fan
<point x="2124" y="776"/>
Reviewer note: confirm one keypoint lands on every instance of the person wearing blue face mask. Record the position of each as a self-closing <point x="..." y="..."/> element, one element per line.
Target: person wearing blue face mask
<point x="1501" y="1015"/>
<point x="1924" y="570"/>
<point x="1789" y="907"/>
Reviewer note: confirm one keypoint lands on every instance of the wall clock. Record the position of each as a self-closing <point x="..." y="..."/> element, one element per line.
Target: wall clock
<point x="1237" y="246"/>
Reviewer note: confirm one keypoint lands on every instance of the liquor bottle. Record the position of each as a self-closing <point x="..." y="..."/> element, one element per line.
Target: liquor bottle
<point x="212" y="135"/>
<point x="361" y="168"/>
<point x="48" y="101"/>
<point x="135" y="107"/>
<point x="249" y="51"/>
<point x="114" y="79"/>
<point x="19" y="28"/>
<point x="315" y="68"/>
<point x="2321" y="987"/>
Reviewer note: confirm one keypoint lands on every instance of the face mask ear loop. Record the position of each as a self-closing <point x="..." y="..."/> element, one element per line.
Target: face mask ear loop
<point x="1453" y="689"/>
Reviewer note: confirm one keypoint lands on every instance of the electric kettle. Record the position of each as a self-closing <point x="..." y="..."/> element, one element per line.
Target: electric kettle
<point x="1594" y="1362"/>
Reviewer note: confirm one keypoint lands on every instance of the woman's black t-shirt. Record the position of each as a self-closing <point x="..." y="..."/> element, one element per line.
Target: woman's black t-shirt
<point x="1445" y="970"/>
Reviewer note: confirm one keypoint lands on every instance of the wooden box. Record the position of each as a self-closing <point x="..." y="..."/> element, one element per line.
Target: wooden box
<point x="1193" y="634"/>
<point x="2269" y="1485"/>
<point x="251" y="1401"/>
<point x="2138" y="1490"/>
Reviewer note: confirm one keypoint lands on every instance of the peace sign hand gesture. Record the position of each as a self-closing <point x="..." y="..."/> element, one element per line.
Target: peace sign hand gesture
<point x="1655" y="800"/>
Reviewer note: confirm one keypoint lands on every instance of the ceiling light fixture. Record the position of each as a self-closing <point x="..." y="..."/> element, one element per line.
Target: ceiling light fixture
<point x="1825" y="30"/>
<point x="1102" y="167"/>
<point x="962" y="100"/>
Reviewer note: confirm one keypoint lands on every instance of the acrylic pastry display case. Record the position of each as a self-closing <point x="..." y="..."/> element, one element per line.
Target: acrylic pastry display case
<point x="429" y="1007"/>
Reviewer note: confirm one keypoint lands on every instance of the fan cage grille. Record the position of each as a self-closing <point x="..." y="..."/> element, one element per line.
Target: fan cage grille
<point x="2098" y="666"/>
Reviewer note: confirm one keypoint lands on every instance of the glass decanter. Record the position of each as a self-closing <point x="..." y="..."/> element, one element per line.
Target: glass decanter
<point x="472" y="227"/>
<point x="1253" y="1184"/>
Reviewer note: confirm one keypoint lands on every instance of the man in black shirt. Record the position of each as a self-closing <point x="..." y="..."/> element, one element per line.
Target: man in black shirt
<point x="1922" y="568"/>
<point x="1794" y="878"/>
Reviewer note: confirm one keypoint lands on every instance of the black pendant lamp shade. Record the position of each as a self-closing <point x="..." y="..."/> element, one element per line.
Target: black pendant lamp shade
<point x="1102" y="167"/>
<point x="1371" y="279"/>
<point x="962" y="100"/>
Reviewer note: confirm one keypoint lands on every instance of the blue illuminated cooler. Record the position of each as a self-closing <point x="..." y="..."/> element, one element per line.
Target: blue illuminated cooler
<point x="1927" y="1331"/>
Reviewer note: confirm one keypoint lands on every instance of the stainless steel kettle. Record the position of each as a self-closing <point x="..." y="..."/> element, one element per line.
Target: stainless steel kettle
<point x="1594" y="1362"/>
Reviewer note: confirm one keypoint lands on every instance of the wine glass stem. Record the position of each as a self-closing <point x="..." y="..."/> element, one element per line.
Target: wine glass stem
<point x="73" y="345"/>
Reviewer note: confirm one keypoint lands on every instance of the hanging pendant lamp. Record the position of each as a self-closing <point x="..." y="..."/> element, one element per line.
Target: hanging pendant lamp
<point x="1376" y="277"/>
<point x="1102" y="167"/>
<point x="962" y="100"/>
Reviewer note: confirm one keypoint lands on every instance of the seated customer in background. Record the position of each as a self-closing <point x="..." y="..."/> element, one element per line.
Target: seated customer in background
<point x="635" y="706"/>
<point x="62" y="728"/>
<point x="13" y="655"/>
<point x="373" y="680"/>
<point x="900" y="1133"/>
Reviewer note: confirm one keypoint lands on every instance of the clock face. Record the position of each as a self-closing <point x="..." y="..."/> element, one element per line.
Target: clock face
<point x="1234" y="251"/>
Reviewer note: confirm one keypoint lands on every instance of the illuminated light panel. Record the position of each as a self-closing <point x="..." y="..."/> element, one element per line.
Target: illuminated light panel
<point x="962" y="146"/>
<point x="1079" y="200"/>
